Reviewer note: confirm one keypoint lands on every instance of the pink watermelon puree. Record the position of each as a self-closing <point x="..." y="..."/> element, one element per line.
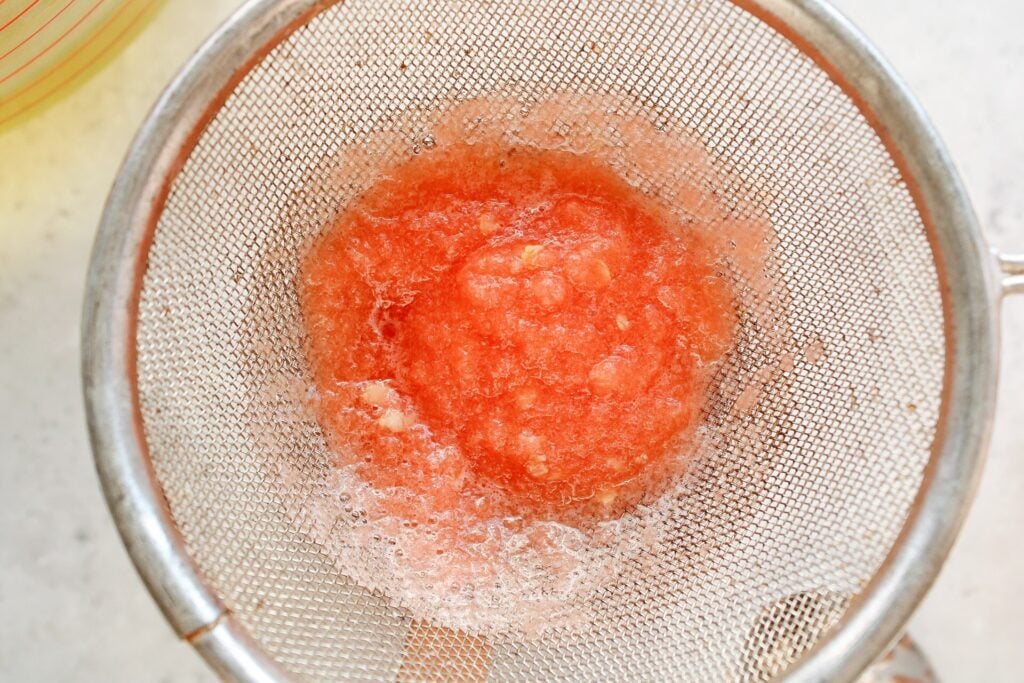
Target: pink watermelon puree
<point x="500" y="330"/>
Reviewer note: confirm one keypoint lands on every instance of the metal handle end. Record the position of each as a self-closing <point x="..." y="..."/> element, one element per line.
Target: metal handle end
<point x="1012" y="268"/>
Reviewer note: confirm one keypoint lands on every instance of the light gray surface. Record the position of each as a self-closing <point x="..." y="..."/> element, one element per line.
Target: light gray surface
<point x="73" y="608"/>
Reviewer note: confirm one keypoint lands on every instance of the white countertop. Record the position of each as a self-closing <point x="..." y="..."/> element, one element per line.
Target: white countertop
<point x="72" y="607"/>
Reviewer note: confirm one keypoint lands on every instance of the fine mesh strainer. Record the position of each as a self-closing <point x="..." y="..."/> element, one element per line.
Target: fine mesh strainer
<point x="807" y="537"/>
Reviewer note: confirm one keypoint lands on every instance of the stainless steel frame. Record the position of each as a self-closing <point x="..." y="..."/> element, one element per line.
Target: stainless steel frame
<point x="973" y="282"/>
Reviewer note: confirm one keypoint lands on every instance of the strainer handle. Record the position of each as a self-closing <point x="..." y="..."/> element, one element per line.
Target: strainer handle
<point x="1013" y="273"/>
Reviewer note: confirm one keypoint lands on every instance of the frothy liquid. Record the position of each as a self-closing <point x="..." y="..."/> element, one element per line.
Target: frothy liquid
<point x="512" y="347"/>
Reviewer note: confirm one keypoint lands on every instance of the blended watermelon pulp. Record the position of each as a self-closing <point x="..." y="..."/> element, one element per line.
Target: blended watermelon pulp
<point x="502" y="330"/>
<point x="516" y="335"/>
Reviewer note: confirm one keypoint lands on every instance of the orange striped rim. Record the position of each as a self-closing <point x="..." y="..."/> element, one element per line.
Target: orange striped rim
<point x="36" y="32"/>
<point x="107" y="49"/>
<point x="20" y="14"/>
<point x="49" y="47"/>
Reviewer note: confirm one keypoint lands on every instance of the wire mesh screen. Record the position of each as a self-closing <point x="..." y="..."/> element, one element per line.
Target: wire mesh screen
<point x="782" y="522"/>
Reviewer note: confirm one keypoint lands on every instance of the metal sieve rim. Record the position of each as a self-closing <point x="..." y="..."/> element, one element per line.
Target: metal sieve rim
<point x="967" y="272"/>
